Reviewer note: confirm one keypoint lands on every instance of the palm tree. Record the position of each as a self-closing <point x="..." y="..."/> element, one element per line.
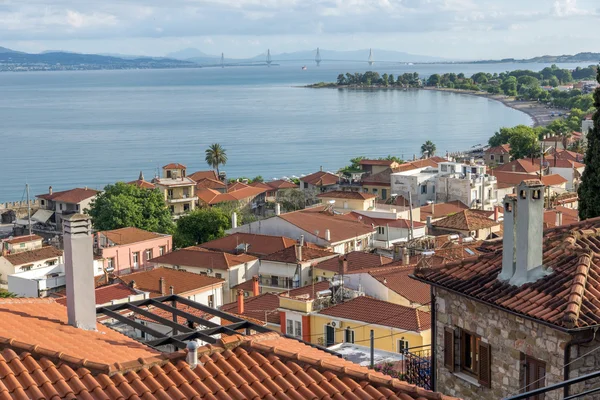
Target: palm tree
<point x="428" y="149"/>
<point x="216" y="155"/>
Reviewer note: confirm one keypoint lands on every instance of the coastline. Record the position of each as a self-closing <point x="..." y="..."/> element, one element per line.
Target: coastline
<point x="540" y="114"/>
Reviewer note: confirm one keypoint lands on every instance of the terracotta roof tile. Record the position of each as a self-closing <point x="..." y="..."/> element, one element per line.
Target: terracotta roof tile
<point x="397" y="279"/>
<point x="424" y="163"/>
<point x="393" y="223"/>
<point x="174" y="166"/>
<point x="521" y="165"/>
<point x="258" y="245"/>
<point x="265" y="366"/>
<point x="440" y="210"/>
<point x="282" y="184"/>
<point x="382" y="178"/>
<point x="288" y="255"/>
<point x="237" y="186"/>
<point x="182" y="281"/>
<point x="357" y="261"/>
<point x="572" y="251"/>
<point x="104" y="294"/>
<point x="553" y="180"/>
<point x="340" y="228"/>
<point x="202" y="258"/>
<point x="569" y="216"/>
<point x="379" y="312"/>
<point x="502" y="149"/>
<point x="211" y="197"/>
<point x="72" y="196"/>
<point x="466" y="220"/>
<point x="142" y="184"/>
<point x="200" y="175"/>
<point x="210" y="184"/>
<point x="262" y="307"/>
<point x="377" y="162"/>
<point x="130" y="235"/>
<point x="511" y="179"/>
<point x="23" y="239"/>
<point x="342" y="194"/>
<point x="31" y="256"/>
<point x="321" y="179"/>
<point x="261" y="185"/>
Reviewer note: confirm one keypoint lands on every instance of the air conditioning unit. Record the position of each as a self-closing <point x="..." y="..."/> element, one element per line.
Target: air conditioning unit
<point x="336" y="324"/>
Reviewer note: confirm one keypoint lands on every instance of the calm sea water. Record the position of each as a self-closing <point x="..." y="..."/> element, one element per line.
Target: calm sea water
<point x="69" y="129"/>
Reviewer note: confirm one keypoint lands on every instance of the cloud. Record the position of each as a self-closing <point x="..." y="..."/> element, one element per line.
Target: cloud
<point x="567" y="8"/>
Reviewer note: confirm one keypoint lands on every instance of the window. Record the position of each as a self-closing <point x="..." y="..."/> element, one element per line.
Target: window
<point x="136" y="259"/>
<point x="289" y="327"/>
<point x="298" y="329"/>
<point x="444" y="168"/>
<point x="375" y="191"/>
<point x="501" y="159"/>
<point x="466" y="352"/>
<point x="161" y="250"/>
<point x="60" y="206"/>
<point x="43" y="202"/>
<point x="349" y="336"/>
<point x="211" y="300"/>
<point x="492" y="157"/>
<point x="172" y="209"/>
<point x="50" y="262"/>
<point x="533" y="375"/>
<point x="329" y="335"/>
<point x="274" y="281"/>
<point x="424" y="189"/>
<point x="217" y="275"/>
<point x="168" y="174"/>
<point x="110" y="263"/>
<point x="402" y="345"/>
<point x="170" y="193"/>
<point x="384" y="194"/>
<point x="381" y="230"/>
<point x="26" y="268"/>
<point x="186" y="207"/>
<point x="305" y="185"/>
<point x="148" y="254"/>
<point x="76" y="207"/>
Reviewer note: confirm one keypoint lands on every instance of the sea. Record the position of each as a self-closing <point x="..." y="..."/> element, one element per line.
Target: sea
<point x="91" y="128"/>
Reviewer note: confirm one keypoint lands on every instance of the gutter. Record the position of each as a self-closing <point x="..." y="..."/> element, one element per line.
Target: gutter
<point x="567" y="356"/>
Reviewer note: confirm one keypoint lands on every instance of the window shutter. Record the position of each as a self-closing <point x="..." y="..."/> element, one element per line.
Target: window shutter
<point x="449" y="348"/>
<point x="485" y="364"/>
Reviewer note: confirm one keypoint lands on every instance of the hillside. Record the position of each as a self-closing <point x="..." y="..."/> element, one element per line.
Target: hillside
<point x="579" y="57"/>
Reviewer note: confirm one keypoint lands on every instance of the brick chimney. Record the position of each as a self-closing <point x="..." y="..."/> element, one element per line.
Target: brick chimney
<point x="162" y="286"/>
<point x="79" y="269"/>
<point x="255" y="286"/>
<point x="240" y="301"/>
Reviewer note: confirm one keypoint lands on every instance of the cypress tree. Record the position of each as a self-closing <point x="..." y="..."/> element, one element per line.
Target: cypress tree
<point x="589" y="189"/>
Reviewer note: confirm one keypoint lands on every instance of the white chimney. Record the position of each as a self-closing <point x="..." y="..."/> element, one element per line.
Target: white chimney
<point x="405" y="256"/>
<point x="277" y="209"/>
<point x="79" y="268"/>
<point x="559" y="218"/>
<point x="50" y="190"/>
<point x="328" y="235"/>
<point x="192" y="355"/>
<point x="509" y="239"/>
<point x="234" y="220"/>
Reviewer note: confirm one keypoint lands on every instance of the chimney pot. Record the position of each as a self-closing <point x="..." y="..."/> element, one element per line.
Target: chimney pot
<point x="328" y="235"/>
<point x="192" y="355"/>
<point x="559" y="218"/>
<point x="132" y="284"/>
<point x="50" y="190"/>
<point x="405" y="256"/>
<point x="277" y="209"/>
<point x="298" y="252"/>
<point x="255" y="286"/>
<point x="162" y="287"/>
<point x="240" y="302"/>
<point x="171" y="289"/>
<point x="234" y="223"/>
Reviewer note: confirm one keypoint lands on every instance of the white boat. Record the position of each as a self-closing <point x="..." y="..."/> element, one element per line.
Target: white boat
<point x="304" y="68"/>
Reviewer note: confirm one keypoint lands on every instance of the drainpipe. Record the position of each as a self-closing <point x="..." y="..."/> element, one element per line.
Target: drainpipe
<point x="567" y="358"/>
<point x="433" y="353"/>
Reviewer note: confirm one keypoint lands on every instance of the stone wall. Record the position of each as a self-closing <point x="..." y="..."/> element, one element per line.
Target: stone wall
<point x="508" y="336"/>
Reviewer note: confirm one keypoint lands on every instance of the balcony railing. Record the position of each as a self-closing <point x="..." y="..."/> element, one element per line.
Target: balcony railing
<point x="415" y="368"/>
<point x="281" y="284"/>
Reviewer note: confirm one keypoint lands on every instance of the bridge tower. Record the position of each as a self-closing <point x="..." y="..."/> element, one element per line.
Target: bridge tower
<point x="222" y="60"/>
<point x="269" y="58"/>
<point x="318" y="58"/>
<point x="371" y="58"/>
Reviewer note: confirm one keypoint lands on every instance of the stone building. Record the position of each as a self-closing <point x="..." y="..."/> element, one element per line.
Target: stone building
<point x="522" y="316"/>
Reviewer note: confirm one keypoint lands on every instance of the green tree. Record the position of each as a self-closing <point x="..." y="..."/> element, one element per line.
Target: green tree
<point x="589" y="189"/>
<point x="341" y="79"/>
<point x="428" y="149"/>
<point x="434" y="80"/>
<point x="391" y="79"/>
<point x="385" y="79"/>
<point x="523" y="142"/>
<point x="392" y="158"/>
<point x="201" y="225"/>
<point x="355" y="162"/>
<point x="291" y="199"/>
<point x="553" y="81"/>
<point x="122" y="205"/>
<point x="509" y="86"/>
<point x="216" y="155"/>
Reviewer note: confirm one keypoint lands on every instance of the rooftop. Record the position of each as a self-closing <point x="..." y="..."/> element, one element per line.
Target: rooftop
<point x="258" y="245"/>
<point x="339" y="194"/>
<point x="357" y="261"/>
<point x="130" y="235"/>
<point x="378" y="162"/>
<point x="321" y="179"/>
<point x="282" y="184"/>
<point x="392" y="223"/>
<point x="104" y="294"/>
<point x="567" y="298"/>
<point x="174" y="182"/>
<point x="288" y="255"/>
<point x="202" y="258"/>
<point x="210" y="196"/>
<point x="466" y="220"/>
<point x="416" y="164"/>
<point x="440" y="210"/>
<point x="73" y="196"/>
<point x="520" y="165"/>
<point x="182" y="281"/>
<point x="209" y="183"/>
<point x="340" y="228"/>
<point x="569" y="216"/>
<point x="23" y="239"/>
<point x="199" y="175"/>
<point x="502" y="149"/>
<point x="262" y="308"/>
<point x="511" y="179"/>
<point x="174" y="166"/>
<point x="31" y="256"/>
<point x="397" y="279"/>
<point x="142" y="184"/>
<point x="379" y="312"/>
<point x="259" y="366"/>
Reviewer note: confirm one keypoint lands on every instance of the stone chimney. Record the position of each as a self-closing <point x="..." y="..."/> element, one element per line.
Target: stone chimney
<point x="162" y="286"/>
<point x="79" y="269"/>
<point x="328" y="235"/>
<point x="559" y="218"/>
<point x="234" y="220"/>
<point x="240" y="301"/>
<point x="343" y="265"/>
<point x="277" y="209"/>
<point x="255" y="286"/>
<point x="50" y="190"/>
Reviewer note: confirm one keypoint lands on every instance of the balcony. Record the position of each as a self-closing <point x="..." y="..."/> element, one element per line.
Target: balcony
<point x="181" y="199"/>
<point x="282" y="283"/>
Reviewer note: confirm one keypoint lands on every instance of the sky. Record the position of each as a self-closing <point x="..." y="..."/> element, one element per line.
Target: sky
<point x="455" y="29"/>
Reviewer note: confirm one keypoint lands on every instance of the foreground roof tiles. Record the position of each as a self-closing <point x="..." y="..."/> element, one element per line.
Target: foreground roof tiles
<point x="357" y="261"/>
<point x="72" y="196"/>
<point x="379" y="312"/>
<point x="130" y="235"/>
<point x="265" y="366"/>
<point x="182" y="281"/>
<point x="31" y="256"/>
<point x="567" y="298"/>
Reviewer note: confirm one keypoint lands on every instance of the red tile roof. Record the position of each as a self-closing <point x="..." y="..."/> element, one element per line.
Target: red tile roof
<point x="23" y="239"/>
<point x="567" y="298"/>
<point x="73" y="196"/>
<point x="553" y="180"/>
<point x="341" y="229"/>
<point x="382" y="178"/>
<point x="39" y="326"/>
<point x="262" y="185"/>
<point x="210" y="184"/>
<point x="282" y="184"/>
<point x="174" y="166"/>
<point x="236" y="186"/>
<point x="561" y="163"/>
<point x="377" y="162"/>
<point x="265" y="366"/>
<point x="466" y="220"/>
<point x="262" y="308"/>
<point x="200" y="175"/>
<point x="211" y="197"/>
<point x="321" y="179"/>
<point x="511" y="179"/>
<point x="258" y="245"/>
<point x="424" y="163"/>
<point x="308" y="292"/>
<point x="339" y="194"/>
<point x="566" y="155"/>
<point x="379" y="312"/>
<point x="288" y="255"/>
<point x="392" y="223"/>
<point x="442" y="209"/>
<point x="142" y="184"/>
<point x="130" y="235"/>
<point x="521" y="165"/>
<point x="182" y="281"/>
<point x="357" y="261"/>
<point x="398" y="280"/>
<point x="104" y="294"/>
<point x="202" y="258"/>
<point x="569" y="216"/>
<point x="502" y="149"/>
<point x="31" y="256"/>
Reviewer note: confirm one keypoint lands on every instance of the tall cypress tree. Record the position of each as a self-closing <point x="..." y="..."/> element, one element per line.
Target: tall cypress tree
<point x="589" y="190"/>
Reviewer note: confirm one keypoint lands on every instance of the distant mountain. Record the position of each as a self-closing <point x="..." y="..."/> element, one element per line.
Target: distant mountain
<point x="189" y="53"/>
<point x="566" y="58"/>
<point x="5" y="50"/>
<point x="353" y="55"/>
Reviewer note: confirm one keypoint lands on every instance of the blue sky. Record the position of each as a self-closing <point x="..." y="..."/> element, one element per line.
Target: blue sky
<point x="465" y="29"/>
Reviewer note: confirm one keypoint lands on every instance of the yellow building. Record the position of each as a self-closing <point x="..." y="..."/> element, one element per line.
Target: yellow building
<point x="347" y="200"/>
<point x="178" y="189"/>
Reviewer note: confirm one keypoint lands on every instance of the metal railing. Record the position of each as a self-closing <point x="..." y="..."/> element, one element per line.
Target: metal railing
<point x="414" y="368"/>
<point x="561" y="386"/>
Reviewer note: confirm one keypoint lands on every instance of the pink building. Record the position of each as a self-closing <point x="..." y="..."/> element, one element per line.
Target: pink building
<point x="128" y="249"/>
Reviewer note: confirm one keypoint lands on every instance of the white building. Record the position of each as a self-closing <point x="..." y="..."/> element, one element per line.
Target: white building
<point x="467" y="183"/>
<point x="28" y="260"/>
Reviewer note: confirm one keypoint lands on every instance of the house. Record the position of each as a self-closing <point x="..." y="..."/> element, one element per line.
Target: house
<point x="163" y="281"/>
<point x="233" y="269"/>
<point x="18" y="244"/>
<point x="112" y="294"/>
<point x="437" y="211"/>
<point x="349" y="263"/>
<point x="290" y="268"/>
<point x="317" y="226"/>
<point x="142" y="183"/>
<point x="523" y="166"/>
<point x="508" y="181"/>
<point x="28" y="260"/>
<point x="62" y="203"/>
<point x="251" y="243"/>
<point x="319" y="182"/>
<point x="270" y="192"/>
<point x="178" y="189"/>
<point x="346" y="200"/>
<point x="527" y="310"/>
<point x="560" y="142"/>
<point x="568" y="169"/>
<point x="565" y="154"/>
<point x="559" y="216"/>
<point x="379" y="184"/>
<point x="242" y="195"/>
<point x="373" y="167"/>
<point x="467" y="183"/>
<point x="275" y="188"/>
<point x="468" y="223"/>
<point x="497" y="155"/>
<point x="213" y="184"/>
<point x="125" y="250"/>
<point x="390" y="231"/>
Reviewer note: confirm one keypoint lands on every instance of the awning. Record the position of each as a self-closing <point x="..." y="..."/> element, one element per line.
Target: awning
<point x="42" y="215"/>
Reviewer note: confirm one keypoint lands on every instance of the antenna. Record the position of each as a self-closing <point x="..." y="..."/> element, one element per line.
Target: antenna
<point x="269" y="57"/>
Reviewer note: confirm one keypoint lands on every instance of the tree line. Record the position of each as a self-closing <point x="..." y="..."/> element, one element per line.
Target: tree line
<point x="371" y="78"/>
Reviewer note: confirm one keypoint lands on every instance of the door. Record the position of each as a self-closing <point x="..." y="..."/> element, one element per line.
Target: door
<point x="329" y="335"/>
